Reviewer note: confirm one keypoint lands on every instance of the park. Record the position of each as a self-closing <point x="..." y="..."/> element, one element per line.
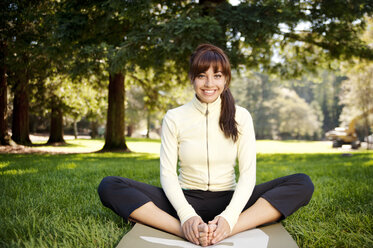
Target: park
<point x="85" y="86"/>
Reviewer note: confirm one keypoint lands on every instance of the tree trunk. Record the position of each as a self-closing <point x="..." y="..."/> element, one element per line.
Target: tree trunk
<point x="4" y="136"/>
<point x="56" y="128"/>
<point x="75" y="129"/>
<point x="148" y="124"/>
<point x="20" y="121"/>
<point x="114" y="138"/>
<point x="129" y="130"/>
<point x="94" y="129"/>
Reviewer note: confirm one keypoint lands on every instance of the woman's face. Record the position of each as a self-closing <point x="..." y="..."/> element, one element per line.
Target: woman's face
<point x="209" y="85"/>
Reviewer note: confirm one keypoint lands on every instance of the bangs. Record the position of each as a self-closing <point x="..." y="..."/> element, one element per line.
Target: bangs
<point x="202" y="62"/>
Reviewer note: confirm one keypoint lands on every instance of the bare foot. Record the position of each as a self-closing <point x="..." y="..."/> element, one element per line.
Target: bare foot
<point x="212" y="228"/>
<point x="203" y="234"/>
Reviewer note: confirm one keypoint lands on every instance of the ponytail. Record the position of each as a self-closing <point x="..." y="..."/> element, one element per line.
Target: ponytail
<point x="227" y="121"/>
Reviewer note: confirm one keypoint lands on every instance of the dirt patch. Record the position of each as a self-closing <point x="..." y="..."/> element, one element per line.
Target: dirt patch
<point x="20" y="149"/>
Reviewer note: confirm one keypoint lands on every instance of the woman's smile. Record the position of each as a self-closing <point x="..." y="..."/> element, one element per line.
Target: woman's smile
<point x="209" y="92"/>
<point x="209" y="85"/>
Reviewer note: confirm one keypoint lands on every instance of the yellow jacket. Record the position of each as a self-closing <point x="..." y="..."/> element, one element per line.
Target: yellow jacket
<point x="192" y="136"/>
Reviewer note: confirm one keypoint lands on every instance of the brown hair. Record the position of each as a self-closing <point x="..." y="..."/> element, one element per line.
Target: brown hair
<point x="207" y="55"/>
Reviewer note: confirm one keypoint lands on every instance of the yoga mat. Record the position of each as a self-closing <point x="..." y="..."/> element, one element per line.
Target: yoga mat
<point x="270" y="236"/>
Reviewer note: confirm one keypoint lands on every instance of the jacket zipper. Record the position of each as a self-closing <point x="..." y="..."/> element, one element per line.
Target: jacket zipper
<point x="207" y="147"/>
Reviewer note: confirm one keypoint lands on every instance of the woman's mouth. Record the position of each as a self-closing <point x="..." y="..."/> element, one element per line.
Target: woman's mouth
<point x="209" y="92"/>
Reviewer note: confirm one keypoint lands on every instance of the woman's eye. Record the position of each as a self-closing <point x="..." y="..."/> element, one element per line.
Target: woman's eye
<point x="200" y="76"/>
<point x="218" y="76"/>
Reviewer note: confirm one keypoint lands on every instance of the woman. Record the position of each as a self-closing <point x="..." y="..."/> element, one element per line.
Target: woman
<point x="204" y="204"/>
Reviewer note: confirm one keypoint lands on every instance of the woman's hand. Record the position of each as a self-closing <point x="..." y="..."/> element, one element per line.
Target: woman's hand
<point x="190" y="229"/>
<point x="222" y="230"/>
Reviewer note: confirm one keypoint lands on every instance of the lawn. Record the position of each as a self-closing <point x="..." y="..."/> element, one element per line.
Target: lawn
<point x="51" y="200"/>
<point x="153" y="146"/>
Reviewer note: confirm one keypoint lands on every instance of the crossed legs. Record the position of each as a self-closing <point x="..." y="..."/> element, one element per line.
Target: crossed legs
<point x="261" y="212"/>
<point x="147" y="204"/>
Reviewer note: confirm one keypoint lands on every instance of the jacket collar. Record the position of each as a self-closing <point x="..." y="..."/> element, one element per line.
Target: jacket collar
<point x="202" y="107"/>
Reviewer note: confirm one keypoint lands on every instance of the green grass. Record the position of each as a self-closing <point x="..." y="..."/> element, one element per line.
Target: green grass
<point x="51" y="200"/>
<point x="153" y="146"/>
<point x="92" y="145"/>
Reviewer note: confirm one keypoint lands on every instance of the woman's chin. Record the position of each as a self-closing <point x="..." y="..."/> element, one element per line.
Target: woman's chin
<point x="208" y="98"/>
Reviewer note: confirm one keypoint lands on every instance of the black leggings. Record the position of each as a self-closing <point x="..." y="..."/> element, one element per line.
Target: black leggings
<point x="123" y="196"/>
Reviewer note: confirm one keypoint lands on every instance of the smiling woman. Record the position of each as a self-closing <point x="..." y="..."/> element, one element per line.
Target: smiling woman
<point x="204" y="204"/>
<point x="209" y="85"/>
<point x="210" y="74"/>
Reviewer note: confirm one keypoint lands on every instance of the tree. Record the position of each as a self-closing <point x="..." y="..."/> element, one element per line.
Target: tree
<point x="304" y="35"/>
<point x="160" y="88"/>
<point x="357" y="96"/>
<point x="100" y="28"/>
<point x="4" y="136"/>
<point x="135" y="108"/>
<point x="277" y="112"/>
<point x="122" y="34"/>
<point x="62" y="98"/>
<point x="323" y="88"/>
<point x="5" y="30"/>
<point x="108" y="38"/>
<point x="255" y="92"/>
<point x="357" y="91"/>
<point x="294" y="117"/>
<point x="24" y="38"/>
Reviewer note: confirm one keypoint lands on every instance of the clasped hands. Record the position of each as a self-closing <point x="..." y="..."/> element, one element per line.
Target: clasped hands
<point x="200" y="233"/>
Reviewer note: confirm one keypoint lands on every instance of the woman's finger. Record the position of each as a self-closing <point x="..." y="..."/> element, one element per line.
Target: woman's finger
<point x="192" y="235"/>
<point x="222" y="230"/>
<point x="214" y="221"/>
<point x="190" y="228"/>
<point x="188" y="234"/>
<point x="195" y="228"/>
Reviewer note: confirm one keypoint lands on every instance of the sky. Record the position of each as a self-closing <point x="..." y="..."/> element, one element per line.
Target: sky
<point x="234" y="2"/>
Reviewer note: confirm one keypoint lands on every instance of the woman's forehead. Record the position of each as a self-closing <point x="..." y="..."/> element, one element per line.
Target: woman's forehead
<point x="215" y="68"/>
<point x="215" y="65"/>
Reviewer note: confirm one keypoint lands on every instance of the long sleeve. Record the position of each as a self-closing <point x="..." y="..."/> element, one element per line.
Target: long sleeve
<point x="168" y="174"/>
<point x="246" y="153"/>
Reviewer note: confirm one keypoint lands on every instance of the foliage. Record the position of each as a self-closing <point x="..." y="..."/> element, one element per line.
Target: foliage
<point x="357" y="97"/>
<point x="157" y="86"/>
<point x="357" y="91"/>
<point x="278" y="112"/>
<point x="51" y="200"/>
<point x="76" y="98"/>
<point x="25" y="32"/>
<point x="321" y="89"/>
<point x="303" y="35"/>
<point x="152" y="93"/>
<point x="143" y="38"/>
<point x="295" y="118"/>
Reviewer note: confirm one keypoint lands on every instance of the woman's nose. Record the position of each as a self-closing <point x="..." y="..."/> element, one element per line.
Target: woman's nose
<point x="207" y="82"/>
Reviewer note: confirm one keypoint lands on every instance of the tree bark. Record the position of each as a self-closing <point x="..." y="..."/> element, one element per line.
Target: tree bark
<point x="148" y="124"/>
<point x="94" y="129"/>
<point x="20" y="121"/>
<point x="115" y="138"/>
<point x="130" y="130"/>
<point x="56" y="128"/>
<point x="4" y="136"/>
<point x="75" y="129"/>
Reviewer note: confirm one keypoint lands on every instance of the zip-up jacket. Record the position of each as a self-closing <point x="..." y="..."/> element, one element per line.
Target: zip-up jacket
<point x="192" y="136"/>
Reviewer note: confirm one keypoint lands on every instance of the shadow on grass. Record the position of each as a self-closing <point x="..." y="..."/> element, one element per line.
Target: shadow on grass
<point x="143" y="140"/>
<point x="59" y="144"/>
